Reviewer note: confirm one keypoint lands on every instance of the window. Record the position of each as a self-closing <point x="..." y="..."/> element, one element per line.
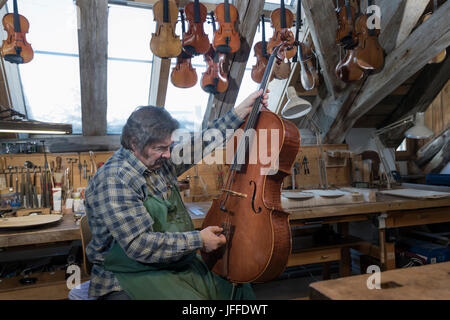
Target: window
<point x="129" y="62"/>
<point x="51" y="81"/>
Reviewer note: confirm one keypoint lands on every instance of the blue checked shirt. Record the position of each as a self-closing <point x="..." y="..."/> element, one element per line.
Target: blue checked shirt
<point x="115" y="209"/>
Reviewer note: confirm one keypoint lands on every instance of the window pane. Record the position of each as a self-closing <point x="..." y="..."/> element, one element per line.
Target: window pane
<point x="129" y="64"/>
<point x="129" y="32"/>
<point x="128" y="87"/>
<point x="51" y="81"/>
<point x="188" y="105"/>
<point x="53" y="24"/>
<point x="52" y="87"/>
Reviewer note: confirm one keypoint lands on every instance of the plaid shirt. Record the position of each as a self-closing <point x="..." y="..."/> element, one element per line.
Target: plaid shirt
<point x="115" y="209"/>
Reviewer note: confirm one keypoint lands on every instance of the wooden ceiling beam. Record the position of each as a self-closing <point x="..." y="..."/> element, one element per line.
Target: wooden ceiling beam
<point x="249" y="17"/>
<point x="413" y="54"/>
<point x="322" y="22"/>
<point x="430" y="83"/>
<point x="93" y="59"/>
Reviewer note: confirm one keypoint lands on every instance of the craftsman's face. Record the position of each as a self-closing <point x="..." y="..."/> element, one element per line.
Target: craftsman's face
<point x="155" y="154"/>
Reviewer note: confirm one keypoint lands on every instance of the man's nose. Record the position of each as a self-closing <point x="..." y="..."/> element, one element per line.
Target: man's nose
<point x="166" y="154"/>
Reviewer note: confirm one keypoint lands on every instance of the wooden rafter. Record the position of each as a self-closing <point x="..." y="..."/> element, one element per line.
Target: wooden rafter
<point x="93" y="52"/>
<point x="322" y="22"/>
<point x="425" y="89"/>
<point x="423" y="44"/>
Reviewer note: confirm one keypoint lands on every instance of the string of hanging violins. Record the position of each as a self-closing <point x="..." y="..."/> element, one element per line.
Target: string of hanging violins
<point x="226" y="40"/>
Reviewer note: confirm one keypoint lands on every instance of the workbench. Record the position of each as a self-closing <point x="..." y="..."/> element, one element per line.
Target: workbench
<point x="389" y="211"/>
<point x="429" y="282"/>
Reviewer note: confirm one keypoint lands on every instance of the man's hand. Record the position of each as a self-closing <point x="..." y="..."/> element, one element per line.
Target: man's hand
<point x="212" y="238"/>
<point x="245" y="107"/>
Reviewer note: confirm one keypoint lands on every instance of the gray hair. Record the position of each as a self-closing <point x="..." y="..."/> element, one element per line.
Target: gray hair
<point x="147" y="125"/>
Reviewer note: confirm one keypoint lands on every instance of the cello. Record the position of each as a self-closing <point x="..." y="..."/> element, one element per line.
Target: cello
<point x="249" y="209"/>
<point x="195" y="41"/>
<point x="282" y="20"/>
<point x="165" y="43"/>
<point x="226" y="39"/>
<point x="15" y="48"/>
<point x="215" y="79"/>
<point x="183" y="74"/>
<point x="369" y="53"/>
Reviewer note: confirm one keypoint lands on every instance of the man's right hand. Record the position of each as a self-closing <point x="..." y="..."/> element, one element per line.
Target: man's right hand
<point x="212" y="238"/>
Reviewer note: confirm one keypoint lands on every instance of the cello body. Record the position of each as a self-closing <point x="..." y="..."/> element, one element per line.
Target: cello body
<point x="256" y="227"/>
<point x="165" y="43"/>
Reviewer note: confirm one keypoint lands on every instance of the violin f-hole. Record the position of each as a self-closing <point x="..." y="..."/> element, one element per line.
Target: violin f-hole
<point x="253" y="197"/>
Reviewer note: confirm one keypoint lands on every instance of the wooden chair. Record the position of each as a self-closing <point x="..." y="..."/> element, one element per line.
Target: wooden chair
<point x="86" y="237"/>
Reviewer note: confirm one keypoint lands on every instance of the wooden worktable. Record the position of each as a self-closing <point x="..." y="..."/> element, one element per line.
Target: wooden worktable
<point x="64" y="230"/>
<point x="430" y="282"/>
<point x="384" y="204"/>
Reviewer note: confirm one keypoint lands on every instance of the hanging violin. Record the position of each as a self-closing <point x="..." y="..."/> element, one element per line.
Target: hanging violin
<point x="282" y="20"/>
<point x="308" y="73"/>
<point x="346" y="35"/>
<point x="249" y="209"/>
<point x="195" y="41"/>
<point x="348" y="69"/>
<point x="165" y="43"/>
<point x="215" y="79"/>
<point x="369" y="53"/>
<point x="226" y="39"/>
<point x="183" y="74"/>
<point x="15" y="48"/>
<point x="261" y="55"/>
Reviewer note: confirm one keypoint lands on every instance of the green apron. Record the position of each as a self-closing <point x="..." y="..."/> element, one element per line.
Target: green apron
<point x="188" y="279"/>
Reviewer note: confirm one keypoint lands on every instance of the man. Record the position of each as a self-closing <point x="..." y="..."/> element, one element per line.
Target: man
<point x="143" y="242"/>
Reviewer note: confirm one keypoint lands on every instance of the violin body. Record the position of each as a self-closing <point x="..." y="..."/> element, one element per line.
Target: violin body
<point x="369" y="53"/>
<point x="259" y="240"/>
<point x="282" y="34"/>
<point x="346" y="35"/>
<point x="15" y="48"/>
<point x="165" y="43"/>
<point x="261" y="63"/>
<point x="183" y="74"/>
<point x="215" y="79"/>
<point x="308" y="73"/>
<point x="226" y="39"/>
<point x="195" y="41"/>
<point x="282" y="70"/>
<point x="441" y="56"/>
<point x="348" y="69"/>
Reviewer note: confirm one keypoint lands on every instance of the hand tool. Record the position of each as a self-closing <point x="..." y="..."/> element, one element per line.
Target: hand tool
<point x="305" y="165"/>
<point x="71" y="161"/>
<point x="93" y="163"/>
<point x="79" y="166"/>
<point x="84" y="169"/>
<point x="3" y="179"/>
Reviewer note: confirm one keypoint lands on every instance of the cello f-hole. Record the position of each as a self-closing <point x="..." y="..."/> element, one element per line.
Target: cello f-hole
<point x="253" y="197"/>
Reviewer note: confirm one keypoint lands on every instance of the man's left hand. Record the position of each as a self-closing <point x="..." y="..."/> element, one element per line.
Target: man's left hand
<point x="244" y="108"/>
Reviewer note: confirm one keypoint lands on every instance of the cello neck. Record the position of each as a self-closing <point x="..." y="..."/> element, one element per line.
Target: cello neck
<point x="197" y="11"/>
<point x="16" y="17"/>
<point x="282" y="15"/>
<point x="227" y="11"/>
